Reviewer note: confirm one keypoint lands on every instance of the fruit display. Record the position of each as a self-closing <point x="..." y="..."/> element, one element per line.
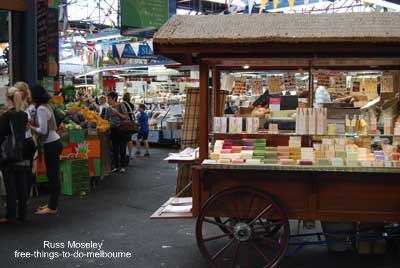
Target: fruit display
<point x="91" y="117"/>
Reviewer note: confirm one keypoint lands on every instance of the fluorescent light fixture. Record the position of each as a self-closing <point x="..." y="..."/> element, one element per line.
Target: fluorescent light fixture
<point x="246" y="66"/>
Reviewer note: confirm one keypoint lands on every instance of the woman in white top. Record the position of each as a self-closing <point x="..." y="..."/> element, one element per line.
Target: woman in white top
<point x="48" y="138"/>
<point x="29" y="143"/>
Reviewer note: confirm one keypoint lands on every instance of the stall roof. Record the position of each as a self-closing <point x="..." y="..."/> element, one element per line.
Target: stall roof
<point x="259" y="28"/>
<point x="216" y="38"/>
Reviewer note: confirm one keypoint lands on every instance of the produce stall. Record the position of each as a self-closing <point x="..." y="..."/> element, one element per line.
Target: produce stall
<point x="254" y="179"/>
<point x="86" y="147"/>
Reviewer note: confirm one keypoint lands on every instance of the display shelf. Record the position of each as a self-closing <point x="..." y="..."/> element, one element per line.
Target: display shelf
<point x="207" y="165"/>
<point x="290" y="134"/>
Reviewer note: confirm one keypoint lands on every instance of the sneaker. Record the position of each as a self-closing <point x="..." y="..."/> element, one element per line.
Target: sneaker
<point x="147" y="154"/>
<point x="122" y="170"/>
<point x="137" y="153"/>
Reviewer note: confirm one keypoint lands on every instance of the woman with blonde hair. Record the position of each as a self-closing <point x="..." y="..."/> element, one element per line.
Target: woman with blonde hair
<point x="29" y="143"/>
<point x="13" y="123"/>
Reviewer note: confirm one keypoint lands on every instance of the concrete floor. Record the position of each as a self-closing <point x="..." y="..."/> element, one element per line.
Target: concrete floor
<point x="117" y="213"/>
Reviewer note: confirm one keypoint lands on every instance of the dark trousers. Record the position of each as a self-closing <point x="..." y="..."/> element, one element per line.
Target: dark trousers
<point x="119" y="144"/>
<point x="52" y="152"/>
<point x="15" y="182"/>
<point x="29" y="152"/>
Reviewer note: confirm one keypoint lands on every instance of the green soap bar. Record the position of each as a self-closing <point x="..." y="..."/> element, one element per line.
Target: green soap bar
<point x="271" y="161"/>
<point x="341" y="155"/>
<point x="271" y="149"/>
<point x="258" y="157"/>
<point x="323" y="162"/>
<point x="273" y="154"/>
<point x="259" y="154"/>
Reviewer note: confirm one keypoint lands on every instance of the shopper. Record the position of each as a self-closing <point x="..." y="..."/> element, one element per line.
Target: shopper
<point x="114" y="114"/>
<point x="102" y="104"/>
<point x="130" y="108"/>
<point x="48" y="138"/>
<point x="30" y="143"/>
<point x="13" y="123"/>
<point x="143" y="130"/>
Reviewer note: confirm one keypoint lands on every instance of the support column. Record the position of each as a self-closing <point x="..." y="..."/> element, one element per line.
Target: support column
<point x="217" y="95"/>
<point x="204" y="110"/>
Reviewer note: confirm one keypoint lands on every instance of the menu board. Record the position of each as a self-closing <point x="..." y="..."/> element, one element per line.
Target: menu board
<point x="47" y="42"/>
<point x="41" y="32"/>
<point x="52" y="42"/>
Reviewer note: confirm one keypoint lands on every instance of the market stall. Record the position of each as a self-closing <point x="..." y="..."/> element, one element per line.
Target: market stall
<point x="253" y="179"/>
<point x="86" y="147"/>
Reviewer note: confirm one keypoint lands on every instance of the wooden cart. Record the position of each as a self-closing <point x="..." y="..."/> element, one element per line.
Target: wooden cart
<point x="243" y="211"/>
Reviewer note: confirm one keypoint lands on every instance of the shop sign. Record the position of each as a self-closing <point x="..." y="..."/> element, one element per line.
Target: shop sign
<point x="146" y="14"/>
<point x="53" y="3"/>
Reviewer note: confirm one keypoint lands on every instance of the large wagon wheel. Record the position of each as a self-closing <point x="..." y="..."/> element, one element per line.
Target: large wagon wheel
<point x="243" y="227"/>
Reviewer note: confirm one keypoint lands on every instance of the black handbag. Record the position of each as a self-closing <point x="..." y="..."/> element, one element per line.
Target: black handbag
<point x="12" y="148"/>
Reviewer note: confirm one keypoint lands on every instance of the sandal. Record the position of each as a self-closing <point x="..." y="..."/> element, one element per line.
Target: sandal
<point x="42" y="207"/>
<point x="46" y="211"/>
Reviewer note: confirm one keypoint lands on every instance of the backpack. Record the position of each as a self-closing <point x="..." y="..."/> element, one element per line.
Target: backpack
<point x="12" y="148"/>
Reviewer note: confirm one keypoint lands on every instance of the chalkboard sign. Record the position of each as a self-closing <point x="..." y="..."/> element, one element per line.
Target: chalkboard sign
<point x="41" y="32"/>
<point x="52" y="42"/>
<point x="47" y="44"/>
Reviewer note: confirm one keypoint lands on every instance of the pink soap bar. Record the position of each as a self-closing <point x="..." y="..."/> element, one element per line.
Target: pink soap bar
<point x="395" y="156"/>
<point x="227" y="147"/>
<point x="247" y="148"/>
<point x="226" y="151"/>
<point x="237" y="161"/>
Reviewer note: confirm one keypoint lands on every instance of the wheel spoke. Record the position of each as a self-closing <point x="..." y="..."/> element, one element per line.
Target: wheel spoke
<point x="259" y="251"/>
<point x="219" y="224"/>
<point x="222" y="249"/>
<point x="237" y="207"/>
<point x="221" y="207"/>
<point x="225" y="222"/>
<point x="235" y="254"/>
<point x="251" y="205"/>
<point x="265" y="210"/>
<point x="215" y="237"/>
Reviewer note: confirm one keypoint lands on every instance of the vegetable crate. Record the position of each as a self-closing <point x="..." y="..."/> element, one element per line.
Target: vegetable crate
<point x="75" y="177"/>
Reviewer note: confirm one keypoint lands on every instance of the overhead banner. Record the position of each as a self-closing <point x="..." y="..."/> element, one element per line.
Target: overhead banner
<point x="146" y="15"/>
<point x="140" y="50"/>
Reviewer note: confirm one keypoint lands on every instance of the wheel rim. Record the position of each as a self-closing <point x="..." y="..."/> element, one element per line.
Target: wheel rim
<point x="243" y="227"/>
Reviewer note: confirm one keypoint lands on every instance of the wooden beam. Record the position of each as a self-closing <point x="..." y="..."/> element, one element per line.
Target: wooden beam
<point x="204" y="110"/>
<point x="15" y="5"/>
<point x="342" y="49"/>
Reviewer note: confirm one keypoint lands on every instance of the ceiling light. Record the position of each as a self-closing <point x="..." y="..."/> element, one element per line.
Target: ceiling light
<point x="246" y="67"/>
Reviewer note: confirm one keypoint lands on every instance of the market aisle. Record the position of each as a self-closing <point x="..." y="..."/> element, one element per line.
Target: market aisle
<point x="118" y="212"/>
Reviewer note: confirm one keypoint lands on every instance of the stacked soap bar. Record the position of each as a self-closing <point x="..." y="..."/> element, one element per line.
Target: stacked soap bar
<point x="259" y="149"/>
<point x="330" y="152"/>
<point x="295" y="141"/>
<point x="271" y="155"/>
<point x="307" y="153"/>
<point x="283" y="152"/>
